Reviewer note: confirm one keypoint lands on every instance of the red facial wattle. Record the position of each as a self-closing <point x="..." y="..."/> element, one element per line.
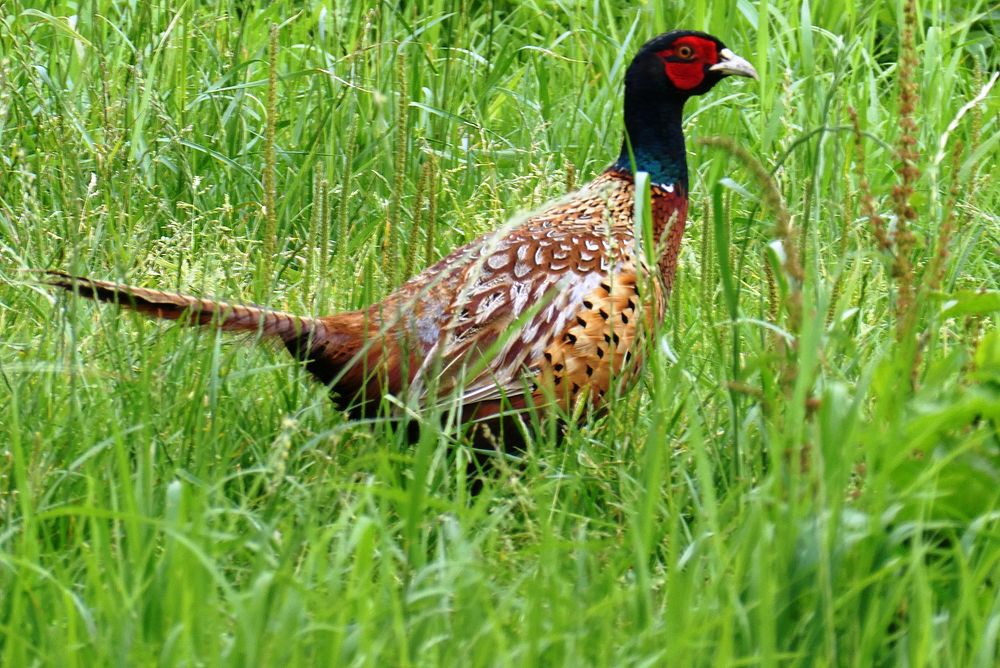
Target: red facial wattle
<point x="686" y="59"/>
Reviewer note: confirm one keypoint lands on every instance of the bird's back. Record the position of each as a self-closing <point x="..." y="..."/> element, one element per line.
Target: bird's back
<point x="541" y="311"/>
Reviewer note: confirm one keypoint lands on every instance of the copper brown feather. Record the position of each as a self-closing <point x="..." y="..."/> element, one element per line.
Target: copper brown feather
<point x="549" y="310"/>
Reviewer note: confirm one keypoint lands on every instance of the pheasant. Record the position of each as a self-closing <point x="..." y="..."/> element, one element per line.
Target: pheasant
<point x="547" y="311"/>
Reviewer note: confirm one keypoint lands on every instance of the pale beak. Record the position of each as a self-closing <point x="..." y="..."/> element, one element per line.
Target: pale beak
<point x="733" y="64"/>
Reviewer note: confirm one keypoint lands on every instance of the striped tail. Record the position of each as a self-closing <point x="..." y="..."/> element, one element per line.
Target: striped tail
<point x="190" y="310"/>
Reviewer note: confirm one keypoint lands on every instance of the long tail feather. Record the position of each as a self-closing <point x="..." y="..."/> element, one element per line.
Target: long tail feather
<point x="188" y="309"/>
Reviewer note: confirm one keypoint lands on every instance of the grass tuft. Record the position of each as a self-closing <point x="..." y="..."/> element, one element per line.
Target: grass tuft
<point x="803" y="476"/>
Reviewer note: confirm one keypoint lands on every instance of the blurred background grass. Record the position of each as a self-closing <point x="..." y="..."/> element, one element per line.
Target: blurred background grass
<point x="808" y="475"/>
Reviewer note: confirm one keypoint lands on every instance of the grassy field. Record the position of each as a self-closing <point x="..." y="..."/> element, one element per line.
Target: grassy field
<point x="808" y="475"/>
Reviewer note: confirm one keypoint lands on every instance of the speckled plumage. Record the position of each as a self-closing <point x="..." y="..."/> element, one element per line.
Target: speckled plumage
<point x="550" y="309"/>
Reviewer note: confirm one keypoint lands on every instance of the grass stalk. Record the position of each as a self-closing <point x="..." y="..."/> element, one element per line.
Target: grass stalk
<point x="392" y="224"/>
<point x="902" y="193"/>
<point x="430" y="245"/>
<point x="270" y="179"/>
<point x="346" y="193"/>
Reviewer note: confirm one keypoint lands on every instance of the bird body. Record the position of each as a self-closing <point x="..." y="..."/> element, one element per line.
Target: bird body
<point x="549" y="310"/>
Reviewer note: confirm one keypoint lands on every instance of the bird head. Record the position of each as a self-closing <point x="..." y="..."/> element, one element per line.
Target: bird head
<point x="686" y="62"/>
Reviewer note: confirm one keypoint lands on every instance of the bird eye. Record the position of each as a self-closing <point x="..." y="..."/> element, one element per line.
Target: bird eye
<point x="685" y="51"/>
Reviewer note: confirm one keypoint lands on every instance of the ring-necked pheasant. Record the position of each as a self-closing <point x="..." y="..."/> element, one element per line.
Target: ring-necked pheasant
<point x="548" y="309"/>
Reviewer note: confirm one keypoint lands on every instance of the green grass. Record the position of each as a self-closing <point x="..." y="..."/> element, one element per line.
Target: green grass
<point x="178" y="497"/>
